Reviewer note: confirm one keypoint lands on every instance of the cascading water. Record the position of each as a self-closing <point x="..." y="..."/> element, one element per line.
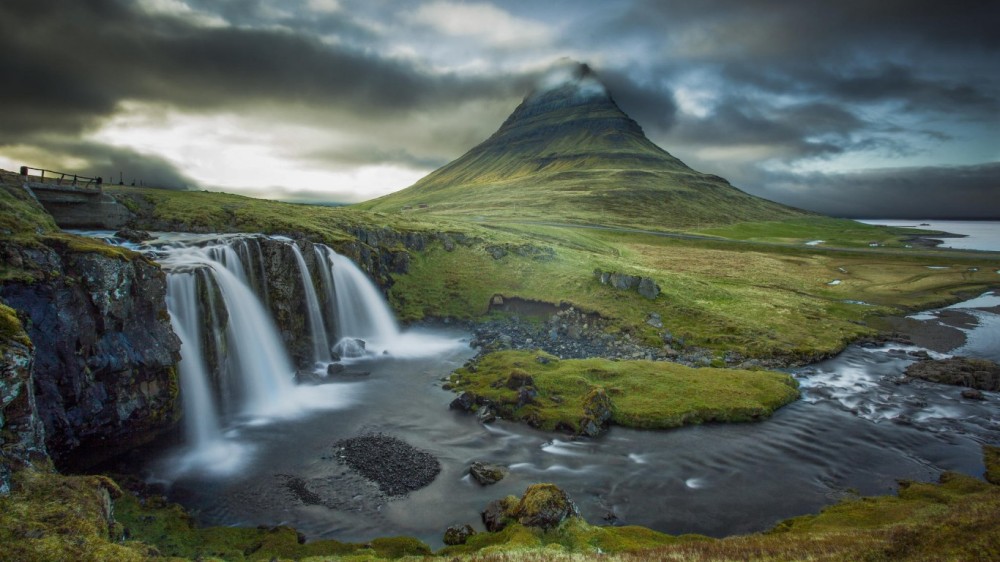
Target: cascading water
<point x="253" y="346"/>
<point x="362" y="312"/>
<point x="321" y="345"/>
<point x="201" y="419"/>
<point x="235" y="369"/>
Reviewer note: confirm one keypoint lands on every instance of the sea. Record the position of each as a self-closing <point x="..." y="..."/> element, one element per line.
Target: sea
<point x="979" y="235"/>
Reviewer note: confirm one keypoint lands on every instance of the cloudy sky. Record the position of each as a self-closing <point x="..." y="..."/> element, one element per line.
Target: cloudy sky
<point x="874" y="108"/>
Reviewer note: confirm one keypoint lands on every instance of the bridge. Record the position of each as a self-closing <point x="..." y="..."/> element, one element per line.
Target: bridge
<point x="74" y="201"/>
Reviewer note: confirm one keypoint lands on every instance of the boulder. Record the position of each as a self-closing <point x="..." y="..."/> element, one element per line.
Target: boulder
<point x="544" y="506"/>
<point x="458" y="534"/>
<point x="499" y="513"/>
<point x="519" y="378"/>
<point x="334" y="369"/>
<point x="488" y="473"/>
<point x="133" y="235"/>
<point x="486" y="415"/>
<point x="597" y="413"/>
<point x="464" y="402"/>
<point x="648" y="288"/>
<point x="973" y="394"/>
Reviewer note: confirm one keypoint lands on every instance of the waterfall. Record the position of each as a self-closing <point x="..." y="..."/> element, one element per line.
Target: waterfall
<point x="234" y="366"/>
<point x="362" y="312"/>
<point x="254" y="360"/>
<point x="201" y="421"/>
<point x="321" y="345"/>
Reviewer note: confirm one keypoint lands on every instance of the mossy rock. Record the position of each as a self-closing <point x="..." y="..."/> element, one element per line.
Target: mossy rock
<point x="544" y="506"/>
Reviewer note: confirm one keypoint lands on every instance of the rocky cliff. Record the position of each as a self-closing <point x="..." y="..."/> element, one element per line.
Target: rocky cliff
<point x="104" y="352"/>
<point x="22" y="436"/>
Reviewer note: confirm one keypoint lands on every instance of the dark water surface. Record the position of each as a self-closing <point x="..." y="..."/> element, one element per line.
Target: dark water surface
<point x="855" y="430"/>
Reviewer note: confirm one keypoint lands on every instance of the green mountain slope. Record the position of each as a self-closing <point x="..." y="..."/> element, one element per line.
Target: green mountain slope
<point x="568" y="153"/>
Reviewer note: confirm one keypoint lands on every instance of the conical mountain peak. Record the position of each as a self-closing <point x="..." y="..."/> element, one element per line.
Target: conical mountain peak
<point x="569" y="153"/>
<point x="569" y="80"/>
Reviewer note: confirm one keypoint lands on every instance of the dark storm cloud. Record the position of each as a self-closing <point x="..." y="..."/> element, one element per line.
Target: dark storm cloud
<point x="67" y="72"/>
<point x="936" y="192"/>
<point x="112" y="163"/>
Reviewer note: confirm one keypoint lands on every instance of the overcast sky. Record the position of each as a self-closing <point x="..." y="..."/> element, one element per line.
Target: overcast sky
<point x="869" y="108"/>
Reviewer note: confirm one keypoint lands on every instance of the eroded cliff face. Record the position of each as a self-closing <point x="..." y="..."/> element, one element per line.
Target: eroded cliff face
<point x="104" y="353"/>
<point x="22" y="435"/>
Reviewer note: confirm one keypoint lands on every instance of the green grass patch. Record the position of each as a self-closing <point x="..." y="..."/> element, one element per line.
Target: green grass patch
<point x="643" y="394"/>
<point x="171" y="530"/>
<point x="833" y="232"/>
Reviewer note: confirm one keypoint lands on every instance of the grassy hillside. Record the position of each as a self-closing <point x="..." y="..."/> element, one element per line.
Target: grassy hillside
<point x="762" y="294"/>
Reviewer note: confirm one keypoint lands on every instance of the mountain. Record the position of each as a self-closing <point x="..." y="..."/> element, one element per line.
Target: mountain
<point x="568" y="153"/>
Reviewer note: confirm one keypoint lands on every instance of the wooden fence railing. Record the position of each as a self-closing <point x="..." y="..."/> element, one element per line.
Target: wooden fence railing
<point x="64" y="178"/>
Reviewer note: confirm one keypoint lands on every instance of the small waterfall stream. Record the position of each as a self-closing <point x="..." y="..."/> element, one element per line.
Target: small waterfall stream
<point x="362" y="311"/>
<point x="201" y="420"/>
<point x="321" y="345"/>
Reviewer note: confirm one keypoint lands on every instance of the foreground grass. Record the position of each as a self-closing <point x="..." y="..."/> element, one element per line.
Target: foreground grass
<point x="640" y="394"/>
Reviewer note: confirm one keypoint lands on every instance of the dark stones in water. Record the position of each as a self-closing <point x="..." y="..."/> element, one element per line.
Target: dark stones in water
<point x="396" y="466"/>
<point x="488" y="473"/>
<point x="298" y="488"/>
<point x="980" y="374"/>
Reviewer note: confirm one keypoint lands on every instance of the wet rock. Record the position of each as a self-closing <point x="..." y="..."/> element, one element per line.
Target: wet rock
<point x="133" y="235"/>
<point x="458" y="534"/>
<point x="973" y="394"/>
<point x="105" y="354"/>
<point x="980" y="374"/>
<point x="486" y="415"/>
<point x="335" y="369"/>
<point x="464" y="402"/>
<point x="488" y="473"/>
<point x="396" y="466"/>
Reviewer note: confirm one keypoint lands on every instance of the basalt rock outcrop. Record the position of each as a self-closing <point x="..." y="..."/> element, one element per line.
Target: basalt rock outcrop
<point x="22" y="435"/>
<point x="979" y="374"/>
<point x="645" y="286"/>
<point x="104" y="353"/>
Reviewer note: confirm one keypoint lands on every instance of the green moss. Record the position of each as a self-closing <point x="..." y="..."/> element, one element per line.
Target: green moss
<point x="11" y="328"/>
<point x="171" y="530"/>
<point x="643" y="394"/>
<point x="88" y="245"/>
<point x="54" y="517"/>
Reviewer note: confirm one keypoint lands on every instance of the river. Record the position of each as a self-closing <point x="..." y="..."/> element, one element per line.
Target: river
<point x="855" y="430"/>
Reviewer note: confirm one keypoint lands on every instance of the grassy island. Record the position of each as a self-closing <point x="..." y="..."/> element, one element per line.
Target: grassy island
<point x="567" y="394"/>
